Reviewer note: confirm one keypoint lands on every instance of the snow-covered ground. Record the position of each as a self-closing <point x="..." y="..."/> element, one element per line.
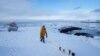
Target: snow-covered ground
<point x="26" y="42"/>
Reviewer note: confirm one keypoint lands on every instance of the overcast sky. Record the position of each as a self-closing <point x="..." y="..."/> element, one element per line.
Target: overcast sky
<point x="49" y="9"/>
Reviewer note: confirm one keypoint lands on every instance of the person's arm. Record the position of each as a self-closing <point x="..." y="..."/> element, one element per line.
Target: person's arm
<point x="46" y="33"/>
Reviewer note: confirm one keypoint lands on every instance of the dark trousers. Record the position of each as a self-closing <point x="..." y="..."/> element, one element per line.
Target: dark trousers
<point x="42" y="39"/>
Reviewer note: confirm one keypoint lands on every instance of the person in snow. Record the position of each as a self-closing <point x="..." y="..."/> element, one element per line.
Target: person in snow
<point x="43" y="33"/>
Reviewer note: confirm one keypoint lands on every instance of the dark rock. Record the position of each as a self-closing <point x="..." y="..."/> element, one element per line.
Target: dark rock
<point x="69" y="29"/>
<point x="84" y="34"/>
<point x="98" y="32"/>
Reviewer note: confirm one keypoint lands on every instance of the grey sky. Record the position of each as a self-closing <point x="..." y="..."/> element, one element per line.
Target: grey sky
<point x="37" y="10"/>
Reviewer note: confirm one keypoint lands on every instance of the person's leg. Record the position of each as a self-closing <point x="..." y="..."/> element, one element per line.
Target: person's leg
<point x="43" y="40"/>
